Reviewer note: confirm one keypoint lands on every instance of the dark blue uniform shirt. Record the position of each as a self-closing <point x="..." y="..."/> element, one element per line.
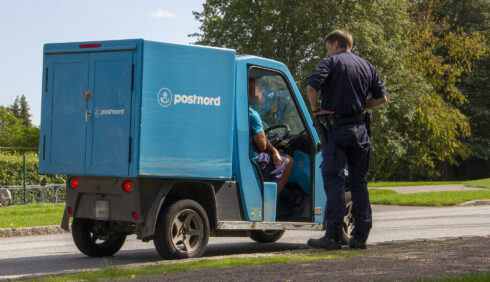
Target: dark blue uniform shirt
<point x="345" y="81"/>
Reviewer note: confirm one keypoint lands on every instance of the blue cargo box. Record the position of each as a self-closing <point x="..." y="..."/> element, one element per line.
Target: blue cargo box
<point x="130" y="108"/>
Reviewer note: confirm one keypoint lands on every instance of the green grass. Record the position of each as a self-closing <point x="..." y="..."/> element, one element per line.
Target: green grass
<point x="413" y="183"/>
<point x="476" y="277"/>
<point x="437" y="199"/>
<point x="31" y="215"/>
<point x="481" y="183"/>
<point x="113" y="273"/>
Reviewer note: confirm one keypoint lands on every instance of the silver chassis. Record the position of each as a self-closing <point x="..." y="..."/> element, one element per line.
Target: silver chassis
<point x="261" y="225"/>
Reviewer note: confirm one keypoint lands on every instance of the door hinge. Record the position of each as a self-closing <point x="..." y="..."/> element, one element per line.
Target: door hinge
<point x="129" y="151"/>
<point x="46" y="81"/>
<point x="132" y="78"/>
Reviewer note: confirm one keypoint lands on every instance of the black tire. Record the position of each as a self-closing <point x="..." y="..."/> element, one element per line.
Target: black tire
<point x="182" y="230"/>
<point x="348" y="223"/>
<point x="266" y="236"/>
<point x="86" y="240"/>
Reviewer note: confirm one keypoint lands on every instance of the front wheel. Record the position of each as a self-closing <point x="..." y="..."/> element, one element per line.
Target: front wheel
<point x="182" y="230"/>
<point x="266" y="236"/>
<point x="95" y="244"/>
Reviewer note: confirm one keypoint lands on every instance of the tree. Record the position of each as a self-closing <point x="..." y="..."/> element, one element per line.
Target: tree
<point x="15" y="108"/>
<point x="14" y="134"/>
<point x="472" y="16"/>
<point x="420" y="126"/>
<point x="10" y="128"/>
<point x="445" y="52"/>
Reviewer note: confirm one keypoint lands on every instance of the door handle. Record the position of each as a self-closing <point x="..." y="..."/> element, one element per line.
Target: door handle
<point x="88" y="114"/>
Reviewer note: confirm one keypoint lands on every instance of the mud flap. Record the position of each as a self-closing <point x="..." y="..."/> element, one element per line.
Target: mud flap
<point x="65" y="222"/>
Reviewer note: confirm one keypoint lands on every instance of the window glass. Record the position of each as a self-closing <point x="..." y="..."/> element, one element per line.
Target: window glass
<point x="276" y="106"/>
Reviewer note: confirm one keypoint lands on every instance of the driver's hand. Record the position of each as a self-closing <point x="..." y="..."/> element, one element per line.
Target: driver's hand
<point x="276" y="158"/>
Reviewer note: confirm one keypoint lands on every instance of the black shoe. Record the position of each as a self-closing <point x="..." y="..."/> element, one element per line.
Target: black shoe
<point x="324" y="243"/>
<point x="356" y="244"/>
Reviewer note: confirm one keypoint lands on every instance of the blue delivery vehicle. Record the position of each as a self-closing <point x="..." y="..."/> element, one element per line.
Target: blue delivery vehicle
<point x="155" y="141"/>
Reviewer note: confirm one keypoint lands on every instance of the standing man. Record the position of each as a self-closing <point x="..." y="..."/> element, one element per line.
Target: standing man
<point x="345" y="80"/>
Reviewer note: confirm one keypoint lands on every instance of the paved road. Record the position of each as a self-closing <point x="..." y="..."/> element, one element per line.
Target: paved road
<point x="21" y="256"/>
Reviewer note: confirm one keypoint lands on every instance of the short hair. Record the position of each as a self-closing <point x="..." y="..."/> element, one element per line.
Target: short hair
<point x="343" y="37"/>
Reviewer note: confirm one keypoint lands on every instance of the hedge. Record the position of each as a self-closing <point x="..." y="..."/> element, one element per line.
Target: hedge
<point x="11" y="171"/>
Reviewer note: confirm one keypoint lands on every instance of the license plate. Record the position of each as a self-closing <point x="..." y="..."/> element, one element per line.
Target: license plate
<point x="101" y="209"/>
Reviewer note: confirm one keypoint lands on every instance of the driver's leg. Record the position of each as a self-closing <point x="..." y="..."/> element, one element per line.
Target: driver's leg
<point x="287" y="171"/>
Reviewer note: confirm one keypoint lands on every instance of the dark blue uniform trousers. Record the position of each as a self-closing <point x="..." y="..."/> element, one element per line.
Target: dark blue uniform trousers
<point x="349" y="143"/>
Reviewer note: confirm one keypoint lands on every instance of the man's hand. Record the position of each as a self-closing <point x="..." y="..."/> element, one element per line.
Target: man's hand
<point x="313" y="98"/>
<point x="276" y="157"/>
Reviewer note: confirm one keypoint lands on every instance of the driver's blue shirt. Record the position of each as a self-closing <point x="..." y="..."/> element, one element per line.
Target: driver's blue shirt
<point x="255" y="128"/>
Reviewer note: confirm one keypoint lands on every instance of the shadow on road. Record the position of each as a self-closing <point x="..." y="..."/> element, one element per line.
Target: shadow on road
<point x="16" y="267"/>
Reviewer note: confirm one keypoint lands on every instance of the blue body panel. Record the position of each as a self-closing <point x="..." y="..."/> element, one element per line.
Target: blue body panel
<point x="270" y="201"/>
<point x="187" y="111"/>
<point x="89" y="136"/>
<point x="301" y="171"/>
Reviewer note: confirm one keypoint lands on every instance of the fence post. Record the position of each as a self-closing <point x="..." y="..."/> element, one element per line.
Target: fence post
<point x="24" y="182"/>
<point x="43" y="194"/>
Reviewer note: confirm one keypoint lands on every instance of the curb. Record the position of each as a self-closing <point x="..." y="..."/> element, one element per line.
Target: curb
<point x="475" y="203"/>
<point x="31" y="231"/>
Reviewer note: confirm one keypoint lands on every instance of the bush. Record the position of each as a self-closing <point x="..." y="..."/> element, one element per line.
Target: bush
<point x="11" y="171"/>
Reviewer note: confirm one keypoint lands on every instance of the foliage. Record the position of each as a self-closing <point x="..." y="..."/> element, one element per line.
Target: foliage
<point x="443" y="52"/>
<point x="473" y="16"/>
<point x="437" y="199"/>
<point x="20" y="109"/>
<point x="15" y="134"/>
<point x="421" y="126"/>
<point x="11" y="171"/>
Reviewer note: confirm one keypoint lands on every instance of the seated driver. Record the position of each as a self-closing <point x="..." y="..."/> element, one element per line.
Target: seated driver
<point x="273" y="165"/>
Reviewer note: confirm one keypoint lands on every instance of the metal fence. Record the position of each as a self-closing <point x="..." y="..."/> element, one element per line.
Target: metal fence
<point x="16" y="194"/>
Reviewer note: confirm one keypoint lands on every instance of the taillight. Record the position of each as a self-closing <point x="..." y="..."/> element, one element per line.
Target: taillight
<point x="70" y="211"/>
<point x="128" y="186"/>
<point x="135" y="216"/>
<point x="74" y="183"/>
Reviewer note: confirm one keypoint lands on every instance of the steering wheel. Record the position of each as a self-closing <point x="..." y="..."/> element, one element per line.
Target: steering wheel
<point x="274" y="137"/>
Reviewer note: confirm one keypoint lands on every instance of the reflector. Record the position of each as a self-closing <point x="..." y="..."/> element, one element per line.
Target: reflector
<point x="128" y="186"/>
<point x="91" y="45"/>
<point x="74" y="182"/>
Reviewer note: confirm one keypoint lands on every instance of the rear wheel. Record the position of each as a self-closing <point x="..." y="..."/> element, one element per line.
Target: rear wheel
<point x="266" y="236"/>
<point x="182" y="230"/>
<point x="348" y="222"/>
<point x="95" y="244"/>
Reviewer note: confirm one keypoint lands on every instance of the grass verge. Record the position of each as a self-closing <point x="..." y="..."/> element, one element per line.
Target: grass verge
<point x="481" y="183"/>
<point x="476" y="277"/>
<point x="113" y="273"/>
<point x="31" y="215"/>
<point x="413" y="183"/>
<point x="437" y="199"/>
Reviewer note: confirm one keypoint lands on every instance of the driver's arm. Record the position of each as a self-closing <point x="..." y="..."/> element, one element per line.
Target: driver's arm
<point x="260" y="141"/>
<point x="262" y="144"/>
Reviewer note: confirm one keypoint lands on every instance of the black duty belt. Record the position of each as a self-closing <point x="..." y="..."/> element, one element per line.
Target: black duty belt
<point x="331" y="121"/>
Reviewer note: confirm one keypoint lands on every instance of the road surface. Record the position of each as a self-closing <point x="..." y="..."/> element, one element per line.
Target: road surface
<point x="30" y="255"/>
